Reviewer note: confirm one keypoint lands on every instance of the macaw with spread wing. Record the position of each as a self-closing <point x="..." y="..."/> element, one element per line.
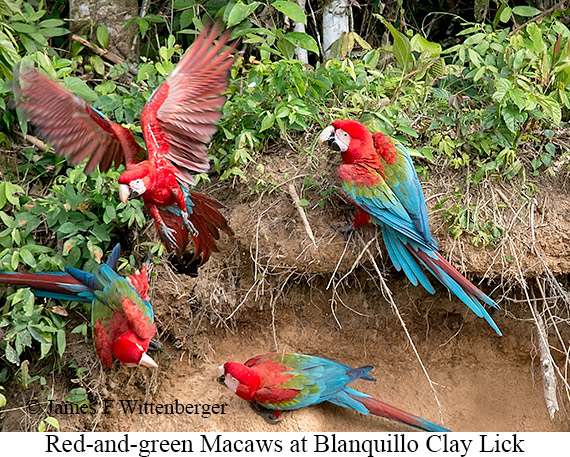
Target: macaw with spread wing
<point x="178" y="123"/>
<point x="378" y="175"/>
<point x="274" y="383"/>
<point x="121" y="315"/>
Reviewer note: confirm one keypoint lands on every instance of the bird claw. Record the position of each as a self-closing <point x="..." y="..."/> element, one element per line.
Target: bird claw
<point x="346" y="230"/>
<point x="267" y="414"/>
<point x="168" y="233"/>
<point x="155" y="345"/>
<point x="189" y="226"/>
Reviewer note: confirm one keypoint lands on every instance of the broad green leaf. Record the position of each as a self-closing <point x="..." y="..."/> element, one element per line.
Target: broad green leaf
<point x="303" y="40"/>
<point x="402" y="46"/>
<point x="102" y="34"/>
<point x="267" y="121"/>
<point x="525" y="11"/>
<point x="80" y="88"/>
<point x="52" y="421"/>
<point x="97" y="64"/>
<point x="292" y="10"/>
<point x="186" y="18"/>
<point x="506" y="14"/>
<point x="240" y="11"/>
<point x="420" y="44"/>
<point x="12" y="355"/>
<point x="61" y="342"/>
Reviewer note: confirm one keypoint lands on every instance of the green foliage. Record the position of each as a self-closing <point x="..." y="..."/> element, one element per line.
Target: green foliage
<point x="466" y="220"/>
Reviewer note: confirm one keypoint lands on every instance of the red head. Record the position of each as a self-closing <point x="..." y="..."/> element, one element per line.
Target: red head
<point x="353" y="140"/>
<point x="130" y="350"/>
<point x="241" y="380"/>
<point x="136" y="181"/>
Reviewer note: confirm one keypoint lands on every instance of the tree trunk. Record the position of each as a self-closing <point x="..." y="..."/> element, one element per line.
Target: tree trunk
<point x="335" y="22"/>
<point x="302" y="54"/>
<point x="86" y="15"/>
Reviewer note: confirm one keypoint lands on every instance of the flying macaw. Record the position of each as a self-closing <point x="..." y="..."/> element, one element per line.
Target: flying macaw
<point x="274" y="383"/>
<point x="178" y="123"/>
<point x="122" y="318"/>
<point x="378" y="175"/>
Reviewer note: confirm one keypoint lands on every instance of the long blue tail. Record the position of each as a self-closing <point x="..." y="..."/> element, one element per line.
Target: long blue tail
<point x="409" y="255"/>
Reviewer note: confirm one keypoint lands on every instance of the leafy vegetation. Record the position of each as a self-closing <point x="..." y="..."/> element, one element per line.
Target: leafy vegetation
<point x="491" y="103"/>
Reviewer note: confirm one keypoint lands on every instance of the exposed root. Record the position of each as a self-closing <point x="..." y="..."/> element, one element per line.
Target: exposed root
<point x="301" y="211"/>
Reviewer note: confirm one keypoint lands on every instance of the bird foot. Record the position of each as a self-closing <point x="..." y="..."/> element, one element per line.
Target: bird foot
<point x="155" y="345"/>
<point x="189" y="225"/>
<point x="168" y="233"/>
<point x="346" y="230"/>
<point x="268" y="414"/>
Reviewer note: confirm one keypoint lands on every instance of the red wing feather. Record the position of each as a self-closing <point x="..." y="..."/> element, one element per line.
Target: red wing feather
<point x="76" y="130"/>
<point x="102" y="344"/>
<point x="179" y="118"/>
<point x="137" y="321"/>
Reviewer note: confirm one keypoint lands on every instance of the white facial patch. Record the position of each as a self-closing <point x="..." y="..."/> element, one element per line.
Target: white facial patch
<point x="221" y="371"/>
<point x="138" y="186"/>
<point x="231" y="382"/>
<point x="342" y="139"/>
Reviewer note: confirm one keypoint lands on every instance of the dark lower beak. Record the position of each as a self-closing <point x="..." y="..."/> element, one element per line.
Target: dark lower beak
<point x="221" y="379"/>
<point x="332" y="143"/>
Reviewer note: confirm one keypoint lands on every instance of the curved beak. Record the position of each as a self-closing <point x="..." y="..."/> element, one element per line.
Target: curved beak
<point x="146" y="361"/>
<point x="124" y="193"/>
<point x="328" y="136"/>
<point x="221" y="374"/>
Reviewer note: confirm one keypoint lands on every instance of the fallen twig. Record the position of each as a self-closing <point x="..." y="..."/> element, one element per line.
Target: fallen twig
<point x="35" y="141"/>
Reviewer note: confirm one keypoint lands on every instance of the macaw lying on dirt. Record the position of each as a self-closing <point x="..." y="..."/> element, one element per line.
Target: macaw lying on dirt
<point x="121" y="315"/>
<point x="274" y="383"/>
<point x="378" y="175"/>
<point x="178" y="122"/>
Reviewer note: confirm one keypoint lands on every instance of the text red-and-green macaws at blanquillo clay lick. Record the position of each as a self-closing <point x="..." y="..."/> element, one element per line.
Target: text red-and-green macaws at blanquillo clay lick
<point x="378" y="175"/>
<point x="121" y="315"/>
<point x="178" y="123"/>
<point x="274" y="383"/>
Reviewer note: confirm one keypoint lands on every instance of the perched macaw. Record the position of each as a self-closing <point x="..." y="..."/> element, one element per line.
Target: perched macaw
<point x="274" y="383"/>
<point x="378" y="175"/>
<point x="178" y="123"/>
<point x="121" y="315"/>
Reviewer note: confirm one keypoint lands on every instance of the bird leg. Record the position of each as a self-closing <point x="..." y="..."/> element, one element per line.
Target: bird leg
<point x="188" y="225"/>
<point x="269" y="415"/>
<point x="166" y="231"/>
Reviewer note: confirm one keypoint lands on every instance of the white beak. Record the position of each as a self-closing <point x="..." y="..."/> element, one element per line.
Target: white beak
<point x="146" y="361"/>
<point x="325" y="136"/>
<point x="124" y="193"/>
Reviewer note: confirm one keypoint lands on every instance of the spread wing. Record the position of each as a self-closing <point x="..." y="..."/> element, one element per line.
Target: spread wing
<point x="179" y="118"/>
<point x="75" y="129"/>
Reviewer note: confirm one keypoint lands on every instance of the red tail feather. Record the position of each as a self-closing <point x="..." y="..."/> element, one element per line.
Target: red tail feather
<point x="379" y="408"/>
<point x="41" y="281"/>
<point x="208" y="221"/>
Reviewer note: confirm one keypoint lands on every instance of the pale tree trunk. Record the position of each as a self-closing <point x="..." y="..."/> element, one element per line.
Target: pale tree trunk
<point x="302" y="54"/>
<point x="335" y="22"/>
<point x="86" y="15"/>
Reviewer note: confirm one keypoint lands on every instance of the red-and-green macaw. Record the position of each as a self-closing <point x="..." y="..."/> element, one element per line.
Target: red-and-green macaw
<point x="378" y="175"/>
<point x="178" y="123"/>
<point x="281" y="382"/>
<point x="122" y="318"/>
